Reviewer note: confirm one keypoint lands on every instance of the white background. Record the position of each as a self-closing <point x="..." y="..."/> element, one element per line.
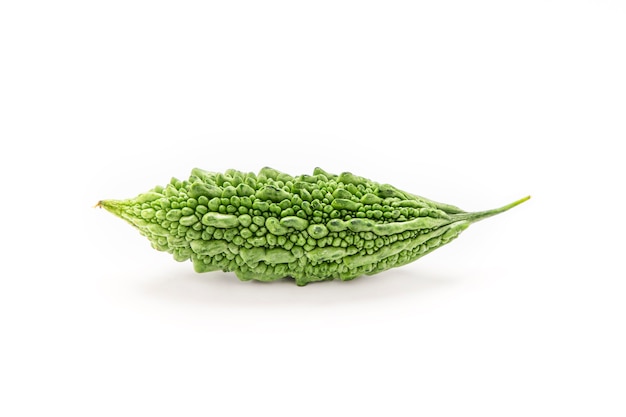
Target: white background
<point x="471" y="103"/>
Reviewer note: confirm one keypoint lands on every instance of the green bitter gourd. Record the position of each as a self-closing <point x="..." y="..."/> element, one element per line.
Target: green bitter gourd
<point x="309" y="227"/>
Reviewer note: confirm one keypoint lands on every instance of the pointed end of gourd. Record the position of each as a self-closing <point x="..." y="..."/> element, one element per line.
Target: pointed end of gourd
<point x="105" y="204"/>
<point x="111" y="206"/>
<point x="510" y="206"/>
<point x="480" y="215"/>
<point x="520" y="201"/>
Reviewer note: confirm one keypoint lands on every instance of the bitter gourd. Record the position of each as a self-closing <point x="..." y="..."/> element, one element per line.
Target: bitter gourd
<point x="309" y="227"/>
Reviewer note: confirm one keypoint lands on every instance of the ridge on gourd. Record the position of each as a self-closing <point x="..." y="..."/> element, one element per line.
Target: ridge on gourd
<point x="272" y="225"/>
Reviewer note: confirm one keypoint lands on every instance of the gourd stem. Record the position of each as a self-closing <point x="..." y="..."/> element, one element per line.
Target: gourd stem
<point x="480" y="215"/>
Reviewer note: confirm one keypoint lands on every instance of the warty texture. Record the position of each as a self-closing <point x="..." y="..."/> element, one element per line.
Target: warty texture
<point x="271" y="225"/>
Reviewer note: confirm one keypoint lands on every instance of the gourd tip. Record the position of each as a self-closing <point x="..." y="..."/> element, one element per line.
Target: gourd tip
<point x="510" y="206"/>
<point x="520" y="201"/>
<point x="480" y="215"/>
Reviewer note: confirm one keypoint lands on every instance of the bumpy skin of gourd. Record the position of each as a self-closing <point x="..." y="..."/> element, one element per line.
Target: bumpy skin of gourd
<point x="310" y="227"/>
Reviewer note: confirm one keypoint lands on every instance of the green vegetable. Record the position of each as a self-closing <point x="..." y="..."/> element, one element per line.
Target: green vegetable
<point x="310" y="227"/>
